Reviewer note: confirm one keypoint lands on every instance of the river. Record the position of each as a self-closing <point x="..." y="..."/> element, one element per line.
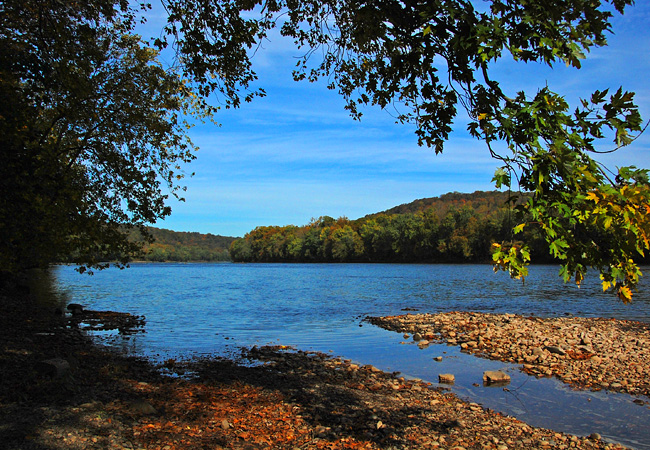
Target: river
<point x="215" y="309"/>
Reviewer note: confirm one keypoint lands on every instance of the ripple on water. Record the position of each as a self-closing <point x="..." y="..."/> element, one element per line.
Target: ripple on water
<point x="203" y="309"/>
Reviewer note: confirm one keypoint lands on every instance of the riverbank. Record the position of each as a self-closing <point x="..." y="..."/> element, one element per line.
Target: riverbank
<point x="95" y="398"/>
<point x="587" y="353"/>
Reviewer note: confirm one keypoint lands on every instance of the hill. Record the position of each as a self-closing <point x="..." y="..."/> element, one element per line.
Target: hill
<point x="454" y="227"/>
<point x="479" y="200"/>
<point x="184" y="246"/>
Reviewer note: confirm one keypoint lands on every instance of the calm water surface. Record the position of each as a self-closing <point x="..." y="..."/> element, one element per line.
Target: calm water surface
<point x="206" y="309"/>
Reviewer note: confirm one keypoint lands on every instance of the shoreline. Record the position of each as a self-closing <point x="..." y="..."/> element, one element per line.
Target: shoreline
<point x="290" y="399"/>
<point x="586" y="353"/>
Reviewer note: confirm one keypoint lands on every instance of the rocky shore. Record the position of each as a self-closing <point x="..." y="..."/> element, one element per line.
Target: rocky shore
<point x="280" y="399"/>
<point x="587" y="353"/>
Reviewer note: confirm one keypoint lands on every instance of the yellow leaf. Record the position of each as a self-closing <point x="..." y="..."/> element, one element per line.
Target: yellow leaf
<point x="608" y="222"/>
<point x="593" y="196"/>
<point x="625" y="294"/>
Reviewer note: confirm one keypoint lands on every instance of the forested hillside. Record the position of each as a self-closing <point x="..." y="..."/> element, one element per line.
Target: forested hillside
<point x="482" y="201"/>
<point x="184" y="246"/>
<point x="451" y="228"/>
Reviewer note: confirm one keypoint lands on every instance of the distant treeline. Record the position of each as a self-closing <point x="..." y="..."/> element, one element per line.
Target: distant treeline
<point x="184" y="246"/>
<point x="451" y="228"/>
<point x="172" y="246"/>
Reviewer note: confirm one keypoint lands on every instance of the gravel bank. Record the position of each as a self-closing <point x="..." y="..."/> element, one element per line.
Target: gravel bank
<point x="584" y="352"/>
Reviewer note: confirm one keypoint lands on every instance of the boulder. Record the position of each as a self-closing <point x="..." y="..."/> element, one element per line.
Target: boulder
<point x="495" y="377"/>
<point x="446" y="378"/>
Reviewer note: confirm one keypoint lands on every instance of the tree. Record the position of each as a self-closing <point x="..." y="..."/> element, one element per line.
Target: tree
<point x="428" y="59"/>
<point x="346" y="244"/>
<point x="79" y="173"/>
<point x="92" y="129"/>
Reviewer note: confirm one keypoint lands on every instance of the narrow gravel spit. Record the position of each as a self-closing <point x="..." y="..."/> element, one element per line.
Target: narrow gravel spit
<point x="588" y="353"/>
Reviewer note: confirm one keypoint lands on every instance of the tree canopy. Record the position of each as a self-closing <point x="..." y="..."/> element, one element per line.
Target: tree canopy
<point x="452" y="228"/>
<point x="92" y="124"/>
<point x="434" y="60"/>
<point x="93" y="132"/>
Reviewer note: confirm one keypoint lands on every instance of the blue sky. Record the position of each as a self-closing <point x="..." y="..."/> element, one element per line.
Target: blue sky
<point x="297" y="154"/>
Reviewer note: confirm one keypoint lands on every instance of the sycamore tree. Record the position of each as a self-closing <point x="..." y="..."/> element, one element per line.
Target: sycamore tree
<point x="92" y="132"/>
<point x="434" y="60"/>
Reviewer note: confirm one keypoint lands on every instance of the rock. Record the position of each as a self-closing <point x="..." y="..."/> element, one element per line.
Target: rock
<point x="423" y="343"/>
<point x="224" y="424"/>
<point x="537" y="351"/>
<point x="555" y="350"/>
<point x="54" y="368"/>
<point x="142" y="407"/>
<point x="456" y="423"/>
<point x="75" y="308"/>
<point x="446" y="378"/>
<point x="438" y="358"/>
<point x="417" y="337"/>
<point x="595" y="437"/>
<point x="495" y="377"/>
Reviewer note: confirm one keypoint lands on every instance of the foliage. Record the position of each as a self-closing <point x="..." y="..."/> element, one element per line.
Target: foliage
<point x="170" y="245"/>
<point x="92" y="129"/>
<point x="450" y="228"/>
<point x="428" y="60"/>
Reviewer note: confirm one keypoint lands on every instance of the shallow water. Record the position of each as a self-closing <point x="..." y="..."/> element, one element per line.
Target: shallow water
<point x="205" y="309"/>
